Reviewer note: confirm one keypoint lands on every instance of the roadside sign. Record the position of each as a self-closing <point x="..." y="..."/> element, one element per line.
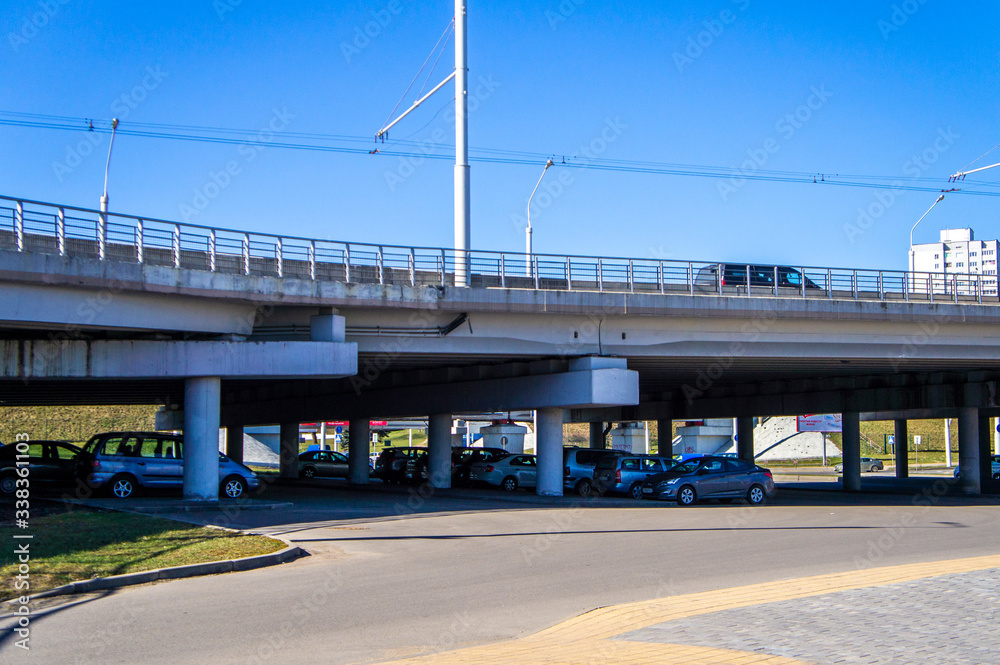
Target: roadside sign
<point x="338" y="438"/>
<point x="818" y="422"/>
<point x="916" y="440"/>
<point x="340" y="430"/>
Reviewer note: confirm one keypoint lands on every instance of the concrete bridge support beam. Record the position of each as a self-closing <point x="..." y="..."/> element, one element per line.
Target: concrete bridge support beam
<point x="439" y="453"/>
<point x="852" y="451"/>
<point x="358" y="451"/>
<point x="744" y="439"/>
<point x="970" y="474"/>
<point x="549" y="451"/>
<point x="288" y="450"/>
<point x="902" y="450"/>
<point x="597" y="440"/>
<point x="665" y="437"/>
<point x="201" y="438"/>
<point x="234" y="443"/>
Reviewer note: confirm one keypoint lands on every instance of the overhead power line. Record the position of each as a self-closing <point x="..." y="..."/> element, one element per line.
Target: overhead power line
<point x="348" y="144"/>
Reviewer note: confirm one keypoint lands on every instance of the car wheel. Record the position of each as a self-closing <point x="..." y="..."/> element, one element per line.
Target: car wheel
<point x="996" y="476"/>
<point x="584" y="488"/>
<point x="122" y="486"/>
<point x="309" y="473"/>
<point x="756" y="495"/>
<point x="635" y="491"/>
<point x="509" y="484"/>
<point x="234" y="487"/>
<point x="873" y="469"/>
<point x="686" y="496"/>
<point x="8" y="483"/>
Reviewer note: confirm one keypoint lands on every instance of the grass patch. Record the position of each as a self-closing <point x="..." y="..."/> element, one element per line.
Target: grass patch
<point x="81" y="545"/>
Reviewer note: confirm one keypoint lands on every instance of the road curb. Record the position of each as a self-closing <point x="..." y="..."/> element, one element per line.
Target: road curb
<point x="174" y="573"/>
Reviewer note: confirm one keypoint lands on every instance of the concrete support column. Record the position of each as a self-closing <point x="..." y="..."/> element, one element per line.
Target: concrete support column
<point x="665" y="437"/>
<point x="549" y="451"/>
<point x="744" y="439"/>
<point x="970" y="475"/>
<point x="288" y="450"/>
<point x="234" y="443"/>
<point x="439" y="445"/>
<point x="358" y="451"/>
<point x="597" y="440"/>
<point x="902" y="450"/>
<point x="852" y="451"/>
<point x="201" y="438"/>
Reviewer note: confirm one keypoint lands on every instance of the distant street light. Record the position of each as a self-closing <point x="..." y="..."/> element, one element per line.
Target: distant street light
<point x="912" y="254"/>
<point x="104" y="197"/>
<point x="527" y="239"/>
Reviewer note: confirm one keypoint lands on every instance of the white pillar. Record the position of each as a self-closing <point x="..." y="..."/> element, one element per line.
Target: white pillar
<point x="439" y="450"/>
<point x="201" y="438"/>
<point x="947" y="442"/>
<point x="358" y="451"/>
<point x="645" y="427"/>
<point x="996" y="436"/>
<point x="288" y="457"/>
<point x="463" y="226"/>
<point x="549" y="451"/>
<point x="322" y="435"/>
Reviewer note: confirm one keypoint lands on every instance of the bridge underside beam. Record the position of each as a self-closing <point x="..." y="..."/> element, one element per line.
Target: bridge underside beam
<point x="582" y="388"/>
<point x="101" y="359"/>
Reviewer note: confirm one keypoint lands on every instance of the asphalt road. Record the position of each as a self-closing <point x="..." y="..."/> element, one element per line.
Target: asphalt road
<point x="383" y="582"/>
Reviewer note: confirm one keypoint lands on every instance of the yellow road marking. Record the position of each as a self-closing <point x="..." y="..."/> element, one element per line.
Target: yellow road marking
<point x="587" y="638"/>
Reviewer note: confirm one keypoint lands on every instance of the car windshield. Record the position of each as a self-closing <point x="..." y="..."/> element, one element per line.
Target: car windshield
<point x="688" y="467"/>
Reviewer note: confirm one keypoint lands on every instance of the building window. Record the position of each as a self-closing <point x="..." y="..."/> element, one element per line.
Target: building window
<point x="961" y="264"/>
<point x="937" y="265"/>
<point x="937" y="256"/>
<point x="947" y="265"/>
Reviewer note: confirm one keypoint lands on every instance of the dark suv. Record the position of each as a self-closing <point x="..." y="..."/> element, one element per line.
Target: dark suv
<point x="578" y="468"/>
<point x="391" y="463"/>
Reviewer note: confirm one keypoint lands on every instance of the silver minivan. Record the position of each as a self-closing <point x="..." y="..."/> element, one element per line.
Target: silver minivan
<point x="124" y="462"/>
<point x="625" y="475"/>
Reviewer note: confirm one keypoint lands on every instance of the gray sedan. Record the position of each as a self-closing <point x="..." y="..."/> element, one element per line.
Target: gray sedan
<point x="508" y="473"/>
<point x="711" y="478"/>
<point x="322" y="463"/>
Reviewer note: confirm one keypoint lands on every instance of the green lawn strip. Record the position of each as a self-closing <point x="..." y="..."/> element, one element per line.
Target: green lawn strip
<point x="82" y="544"/>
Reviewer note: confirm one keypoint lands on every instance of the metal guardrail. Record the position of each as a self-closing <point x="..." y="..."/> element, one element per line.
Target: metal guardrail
<point x="34" y="226"/>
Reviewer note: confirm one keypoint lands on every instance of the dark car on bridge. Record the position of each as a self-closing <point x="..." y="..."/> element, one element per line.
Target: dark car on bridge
<point x="51" y="464"/>
<point x="711" y="477"/>
<point x="736" y="274"/>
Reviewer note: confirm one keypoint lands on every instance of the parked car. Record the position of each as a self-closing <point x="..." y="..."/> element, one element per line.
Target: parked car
<point x="322" y="464"/>
<point x="508" y="473"/>
<point x="578" y="468"/>
<point x="125" y="462"/>
<point x="867" y="464"/>
<point x="624" y="474"/>
<point x="390" y="465"/>
<point x="711" y="478"/>
<point x="463" y="458"/>
<point x="995" y="464"/>
<point x="735" y="274"/>
<point x="51" y="464"/>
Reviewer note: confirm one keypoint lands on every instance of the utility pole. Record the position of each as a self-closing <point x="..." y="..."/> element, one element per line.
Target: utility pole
<point x="463" y="223"/>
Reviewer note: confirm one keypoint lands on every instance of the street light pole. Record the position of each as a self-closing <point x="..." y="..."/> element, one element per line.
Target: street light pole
<point x="527" y="231"/>
<point x="912" y="255"/>
<point x="104" y="197"/>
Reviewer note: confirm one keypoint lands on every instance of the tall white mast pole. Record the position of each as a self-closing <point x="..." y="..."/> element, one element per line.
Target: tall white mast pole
<point x="463" y="226"/>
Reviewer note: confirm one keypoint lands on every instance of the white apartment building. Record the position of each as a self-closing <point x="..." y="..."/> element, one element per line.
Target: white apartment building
<point x="958" y="253"/>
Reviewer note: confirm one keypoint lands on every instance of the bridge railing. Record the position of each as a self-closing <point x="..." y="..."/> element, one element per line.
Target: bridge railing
<point x="33" y="226"/>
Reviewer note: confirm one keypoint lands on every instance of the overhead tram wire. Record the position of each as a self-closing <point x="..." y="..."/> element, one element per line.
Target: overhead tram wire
<point x="342" y="144"/>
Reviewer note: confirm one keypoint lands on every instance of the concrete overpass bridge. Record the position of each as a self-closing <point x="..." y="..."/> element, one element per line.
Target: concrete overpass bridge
<point x="239" y="329"/>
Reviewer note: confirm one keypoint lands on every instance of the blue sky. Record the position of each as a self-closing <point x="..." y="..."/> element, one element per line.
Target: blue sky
<point x="873" y="85"/>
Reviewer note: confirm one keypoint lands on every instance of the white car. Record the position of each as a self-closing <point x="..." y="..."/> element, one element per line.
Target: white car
<point x="508" y="473"/>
